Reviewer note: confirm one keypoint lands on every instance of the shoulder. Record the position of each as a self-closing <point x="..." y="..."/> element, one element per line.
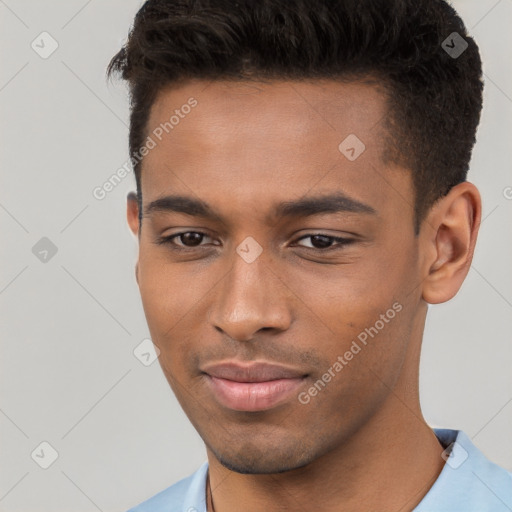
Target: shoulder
<point x="469" y="481"/>
<point x="187" y="495"/>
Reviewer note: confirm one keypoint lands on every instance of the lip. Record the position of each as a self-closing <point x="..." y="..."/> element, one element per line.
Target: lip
<point x="252" y="387"/>
<point x="252" y="372"/>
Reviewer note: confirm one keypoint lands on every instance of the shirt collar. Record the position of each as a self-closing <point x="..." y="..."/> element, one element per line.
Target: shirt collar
<point x="468" y="482"/>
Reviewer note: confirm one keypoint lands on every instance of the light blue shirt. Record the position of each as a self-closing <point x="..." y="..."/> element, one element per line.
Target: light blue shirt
<point x="468" y="482"/>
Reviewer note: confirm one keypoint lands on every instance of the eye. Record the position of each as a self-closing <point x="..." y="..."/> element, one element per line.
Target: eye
<point x="192" y="239"/>
<point x="324" y="242"/>
<point x="184" y="240"/>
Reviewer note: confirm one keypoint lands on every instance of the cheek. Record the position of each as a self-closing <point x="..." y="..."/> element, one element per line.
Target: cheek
<point x="361" y="311"/>
<point x="168" y="287"/>
<point x="171" y="296"/>
<point x="348" y="299"/>
<point x="365" y="359"/>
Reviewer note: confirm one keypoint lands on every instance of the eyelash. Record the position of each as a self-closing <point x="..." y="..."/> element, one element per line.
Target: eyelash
<point x="342" y="242"/>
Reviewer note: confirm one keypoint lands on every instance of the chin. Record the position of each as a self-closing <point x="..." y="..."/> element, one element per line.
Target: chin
<point x="258" y="468"/>
<point x="251" y="460"/>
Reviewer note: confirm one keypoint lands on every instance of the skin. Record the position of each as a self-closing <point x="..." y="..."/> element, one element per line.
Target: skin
<point x="361" y="444"/>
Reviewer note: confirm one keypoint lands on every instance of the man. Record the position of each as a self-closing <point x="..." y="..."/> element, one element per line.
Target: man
<point x="301" y="199"/>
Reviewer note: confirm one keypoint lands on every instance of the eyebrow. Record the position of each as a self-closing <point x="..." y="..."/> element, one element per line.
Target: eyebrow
<point x="182" y="204"/>
<point x="332" y="203"/>
<point x="305" y="207"/>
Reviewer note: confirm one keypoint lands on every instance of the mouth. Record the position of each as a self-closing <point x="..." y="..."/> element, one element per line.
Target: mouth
<point x="255" y="387"/>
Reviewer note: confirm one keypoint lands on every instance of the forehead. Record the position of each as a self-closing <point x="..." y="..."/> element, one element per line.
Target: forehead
<point x="252" y="138"/>
<point x="307" y="109"/>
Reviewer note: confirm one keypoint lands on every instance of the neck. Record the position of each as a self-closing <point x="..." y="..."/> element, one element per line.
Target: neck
<point x="388" y="464"/>
<point x="378" y="469"/>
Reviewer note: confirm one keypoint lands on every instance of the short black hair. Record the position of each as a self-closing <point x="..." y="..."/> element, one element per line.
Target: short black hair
<point x="434" y="96"/>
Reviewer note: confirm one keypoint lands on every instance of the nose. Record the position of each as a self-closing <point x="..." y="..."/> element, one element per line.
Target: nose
<point x="249" y="299"/>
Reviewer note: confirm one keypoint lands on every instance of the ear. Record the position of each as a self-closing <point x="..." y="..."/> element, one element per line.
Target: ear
<point x="449" y="236"/>
<point x="132" y="214"/>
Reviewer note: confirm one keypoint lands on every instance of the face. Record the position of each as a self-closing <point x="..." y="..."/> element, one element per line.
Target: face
<point x="274" y="233"/>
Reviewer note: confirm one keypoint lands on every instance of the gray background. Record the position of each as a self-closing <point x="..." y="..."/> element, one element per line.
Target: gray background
<point x="69" y="325"/>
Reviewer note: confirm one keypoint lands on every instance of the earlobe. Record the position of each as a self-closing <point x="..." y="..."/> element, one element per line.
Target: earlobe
<point x="456" y="220"/>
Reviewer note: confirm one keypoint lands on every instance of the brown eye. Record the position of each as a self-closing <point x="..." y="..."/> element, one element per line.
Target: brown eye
<point x="321" y="241"/>
<point x="326" y="242"/>
<point x="184" y="240"/>
<point x="190" y="239"/>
